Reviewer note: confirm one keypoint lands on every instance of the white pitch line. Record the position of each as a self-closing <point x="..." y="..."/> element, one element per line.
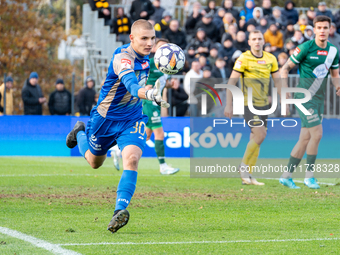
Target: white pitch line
<point x="54" y="248"/>
<point x="323" y="183"/>
<point x="205" y="242"/>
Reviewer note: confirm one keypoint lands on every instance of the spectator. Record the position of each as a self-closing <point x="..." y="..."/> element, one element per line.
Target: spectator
<point x="228" y="21"/>
<point x="203" y="61"/>
<point x="190" y="56"/>
<point x="263" y="25"/>
<point x="298" y="38"/>
<point x="60" y="100"/>
<point x="85" y="97"/>
<point x="267" y="8"/>
<point x="220" y="70"/>
<point x="233" y="32"/>
<point x="267" y="47"/>
<point x="178" y="98"/>
<point x="311" y="14"/>
<point x="322" y="10"/>
<point x="229" y="8"/>
<point x="227" y="49"/>
<point x="157" y="33"/>
<point x="241" y="43"/>
<point x="164" y="24"/>
<point x="201" y="43"/>
<point x="210" y="30"/>
<point x="290" y="12"/>
<point x="158" y="14"/>
<point x="193" y="19"/>
<point x="278" y="18"/>
<point x="195" y="73"/>
<point x="289" y="30"/>
<point x="303" y="22"/>
<point x="289" y="45"/>
<point x="275" y="38"/>
<point x="282" y="59"/>
<point x="213" y="55"/>
<point x="257" y="15"/>
<point x="9" y="96"/>
<point x="247" y="12"/>
<point x="218" y="17"/>
<point x="337" y="20"/>
<point x="334" y="37"/>
<point x="242" y="25"/>
<point x="103" y="8"/>
<point x="141" y="9"/>
<point x="175" y="35"/>
<point x="309" y="33"/>
<point x="122" y="26"/>
<point x="211" y="8"/>
<point x="32" y="96"/>
<point x="250" y="28"/>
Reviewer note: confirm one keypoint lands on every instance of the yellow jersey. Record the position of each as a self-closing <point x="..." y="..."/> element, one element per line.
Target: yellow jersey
<point x="255" y="73"/>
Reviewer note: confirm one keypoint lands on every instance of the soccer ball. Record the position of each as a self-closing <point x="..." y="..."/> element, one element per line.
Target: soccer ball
<point x="169" y="58"/>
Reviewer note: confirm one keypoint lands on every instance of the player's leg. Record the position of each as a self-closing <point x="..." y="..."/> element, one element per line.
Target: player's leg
<point x="160" y="151"/>
<point x="295" y="158"/>
<point x="77" y="136"/>
<point x="132" y="143"/>
<point x="114" y="151"/>
<point x="312" y="151"/>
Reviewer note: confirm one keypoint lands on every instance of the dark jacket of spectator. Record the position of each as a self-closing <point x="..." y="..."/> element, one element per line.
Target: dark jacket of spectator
<point x="216" y="72"/>
<point x="178" y="37"/>
<point x="292" y="13"/>
<point x="191" y="23"/>
<point x="210" y="29"/>
<point x="139" y="6"/>
<point x="242" y="46"/>
<point x="178" y="96"/>
<point x="217" y="20"/>
<point x="337" y="20"/>
<point x="85" y="99"/>
<point x="268" y="11"/>
<point x="226" y="53"/>
<point x="281" y="22"/>
<point x="196" y="43"/>
<point x="232" y="10"/>
<point x="327" y="13"/>
<point x="30" y="95"/>
<point x="103" y="5"/>
<point x="60" y="102"/>
<point x="157" y="16"/>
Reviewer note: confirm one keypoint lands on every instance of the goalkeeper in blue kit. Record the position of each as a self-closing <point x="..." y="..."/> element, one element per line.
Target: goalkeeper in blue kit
<point x="117" y="118"/>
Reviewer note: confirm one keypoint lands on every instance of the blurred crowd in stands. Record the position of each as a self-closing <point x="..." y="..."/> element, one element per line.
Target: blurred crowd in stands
<point x="213" y="37"/>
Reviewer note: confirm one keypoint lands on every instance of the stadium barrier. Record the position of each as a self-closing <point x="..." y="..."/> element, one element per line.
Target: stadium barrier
<point x="45" y="136"/>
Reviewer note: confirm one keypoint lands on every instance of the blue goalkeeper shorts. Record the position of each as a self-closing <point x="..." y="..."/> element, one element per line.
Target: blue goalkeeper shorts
<point x="102" y="133"/>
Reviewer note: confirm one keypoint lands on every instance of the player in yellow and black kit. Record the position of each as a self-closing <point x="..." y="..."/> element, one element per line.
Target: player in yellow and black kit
<point x="254" y="67"/>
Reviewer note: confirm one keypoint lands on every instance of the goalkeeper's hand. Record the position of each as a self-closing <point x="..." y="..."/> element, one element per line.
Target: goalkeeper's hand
<point x="155" y="95"/>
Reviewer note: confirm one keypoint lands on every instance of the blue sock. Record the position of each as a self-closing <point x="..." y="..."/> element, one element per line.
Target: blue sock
<point x="82" y="142"/>
<point x="126" y="188"/>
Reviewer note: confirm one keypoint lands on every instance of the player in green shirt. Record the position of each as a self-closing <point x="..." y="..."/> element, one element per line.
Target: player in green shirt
<point x="153" y="111"/>
<point x="316" y="59"/>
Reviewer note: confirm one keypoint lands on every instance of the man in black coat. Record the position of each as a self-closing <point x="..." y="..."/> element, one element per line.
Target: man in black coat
<point x="211" y="31"/>
<point x="174" y="35"/>
<point x="229" y="8"/>
<point x="32" y="96"/>
<point x="141" y="9"/>
<point x="178" y="98"/>
<point x="104" y="11"/>
<point x="85" y="98"/>
<point x="60" y="100"/>
<point x="193" y="19"/>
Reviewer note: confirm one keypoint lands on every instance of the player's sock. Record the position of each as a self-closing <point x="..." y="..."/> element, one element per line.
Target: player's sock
<point x="159" y="148"/>
<point x="251" y="148"/>
<point x="311" y="163"/>
<point x="253" y="159"/>
<point x="126" y="188"/>
<point x="292" y="165"/>
<point x="82" y="143"/>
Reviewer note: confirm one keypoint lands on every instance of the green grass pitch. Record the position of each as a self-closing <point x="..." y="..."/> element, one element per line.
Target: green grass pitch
<point x="64" y="201"/>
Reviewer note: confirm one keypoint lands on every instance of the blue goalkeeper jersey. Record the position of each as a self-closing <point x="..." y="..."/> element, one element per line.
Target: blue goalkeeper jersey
<point x="115" y="101"/>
